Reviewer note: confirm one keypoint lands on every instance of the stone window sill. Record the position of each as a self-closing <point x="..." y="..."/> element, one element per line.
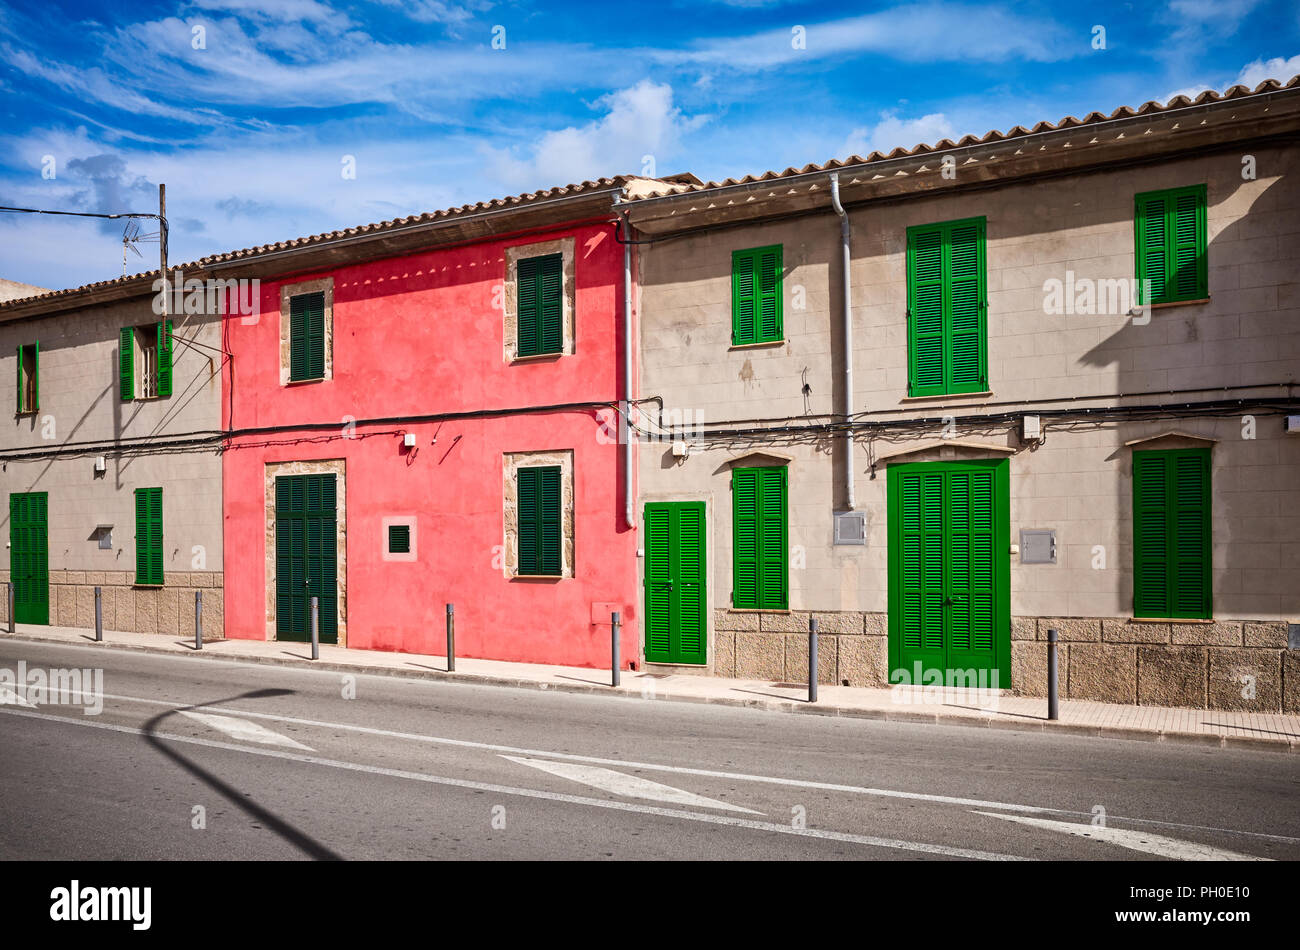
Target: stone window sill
<point x="1179" y="303"/>
<point x="756" y="346"/>
<point x="1170" y="620"/>
<point x="981" y="395"/>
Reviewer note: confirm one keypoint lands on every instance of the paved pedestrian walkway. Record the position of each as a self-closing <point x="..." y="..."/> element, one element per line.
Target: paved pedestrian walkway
<point x="1272" y="731"/>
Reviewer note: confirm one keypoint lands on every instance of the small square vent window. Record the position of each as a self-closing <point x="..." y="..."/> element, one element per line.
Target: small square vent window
<point x="399" y="539"/>
<point x="850" y="527"/>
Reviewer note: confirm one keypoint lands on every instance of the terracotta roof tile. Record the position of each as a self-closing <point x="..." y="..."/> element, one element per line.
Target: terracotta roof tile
<point x="1067" y="122"/>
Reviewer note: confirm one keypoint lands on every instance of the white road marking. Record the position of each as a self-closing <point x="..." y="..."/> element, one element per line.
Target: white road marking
<point x="1133" y="840"/>
<point x="630" y="786"/>
<point x="245" y="730"/>
<point x="8" y="697"/>
<point x="708" y="773"/>
<point x="729" y="820"/>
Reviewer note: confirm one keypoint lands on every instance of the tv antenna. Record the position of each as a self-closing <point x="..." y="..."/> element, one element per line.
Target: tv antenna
<point x="131" y="236"/>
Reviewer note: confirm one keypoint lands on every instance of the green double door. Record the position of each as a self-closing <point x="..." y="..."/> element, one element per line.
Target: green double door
<point x="675" y="583"/>
<point x="29" y="558"/>
<point x="306" y="556"/>
<point x="949" y="570"/>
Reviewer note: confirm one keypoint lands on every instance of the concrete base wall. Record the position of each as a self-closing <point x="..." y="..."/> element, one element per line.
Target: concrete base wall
<point x="1229" y="664"/>
<point x="166" y="610"/>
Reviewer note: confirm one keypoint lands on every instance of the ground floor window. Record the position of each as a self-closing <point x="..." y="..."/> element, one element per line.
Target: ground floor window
<point x="759" y="538"/>
<point x="148" y="536"/>
<point x="1171" y="534"/>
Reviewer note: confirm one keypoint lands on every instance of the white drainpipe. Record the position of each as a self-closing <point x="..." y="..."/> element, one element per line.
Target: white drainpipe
<point x="848" y="340"/>
<point x="625" y="345"/>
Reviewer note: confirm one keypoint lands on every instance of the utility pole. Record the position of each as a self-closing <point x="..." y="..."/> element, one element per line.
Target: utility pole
<point x="162" y="247"/>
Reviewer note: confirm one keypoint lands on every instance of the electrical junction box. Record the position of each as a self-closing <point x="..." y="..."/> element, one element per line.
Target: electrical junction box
<point x="408" y="440"/>
<point x="850" y="527"/>
<point x="1037" y="546"/>
<point x="1031" y="429"/>
<point x="1292" y="425"/>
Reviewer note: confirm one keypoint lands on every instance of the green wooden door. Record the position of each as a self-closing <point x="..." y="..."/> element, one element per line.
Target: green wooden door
<point x="29" y="556"/>
<point x="675" y="585"/>
<point x="949" y="569"/>
<point x="306" y="556"/>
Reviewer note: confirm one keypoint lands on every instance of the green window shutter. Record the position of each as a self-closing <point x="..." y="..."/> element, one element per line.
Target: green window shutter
<point x="759" y="538"/>
<point x="925" y="340"/>
<point x="966" y="310"/>
<point x="744" y="535"/>
<point x="165" y="358"/>
<point x="126" y="363"/>
<point x="772" y="573"/>
<point x="399" y="539"/>
<point x="1170" y="245"/>
<point x="307" y="336"/>
<point x="21" y="407"/>
<point x="36" y="376"/>
<point x="539" y="520"/>
<point x="148" y="536"/>
<point x="1171" y="534"/>
<point x="540" y="305"/>
<point x="756" y="310"/>
<point x="947" y="327"/>
<point x="1187" y="239"/>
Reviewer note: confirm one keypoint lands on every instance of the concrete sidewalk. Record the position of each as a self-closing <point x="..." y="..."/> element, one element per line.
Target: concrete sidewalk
<point x="1271" y="731"/>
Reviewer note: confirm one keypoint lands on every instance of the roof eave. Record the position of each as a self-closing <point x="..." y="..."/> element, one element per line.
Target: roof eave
<point x="1076" y="148"/>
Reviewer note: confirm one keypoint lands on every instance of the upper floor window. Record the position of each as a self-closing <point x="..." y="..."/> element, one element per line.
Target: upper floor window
<point x="29" y="377"/>
<point x="307" y="336"/>
<point x="756" y="296"/>
<point x="947" y="309"/>
<point x="145" y="361"/>
<point x="1170" y="245"/>
<point x="540" y="288"/>
<point x="307" y="331"/>
<point x="539" y="300"/>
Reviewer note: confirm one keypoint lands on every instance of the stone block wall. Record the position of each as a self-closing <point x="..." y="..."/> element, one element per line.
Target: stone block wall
<point x="852" y="648"/>
<point x="1241" y="665"/>
<point x="167" y="610"/>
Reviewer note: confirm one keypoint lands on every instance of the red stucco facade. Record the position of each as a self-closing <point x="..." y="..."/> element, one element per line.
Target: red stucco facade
<point x="420" y="335"/>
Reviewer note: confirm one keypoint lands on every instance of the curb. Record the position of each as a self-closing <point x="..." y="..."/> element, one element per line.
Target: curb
<point x="1208" y="740"/>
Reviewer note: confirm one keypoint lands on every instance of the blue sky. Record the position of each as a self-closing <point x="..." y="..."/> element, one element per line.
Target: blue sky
<point x="249" y="119"/>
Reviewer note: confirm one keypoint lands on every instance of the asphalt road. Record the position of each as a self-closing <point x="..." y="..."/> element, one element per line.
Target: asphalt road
<point x="202" y="759"/>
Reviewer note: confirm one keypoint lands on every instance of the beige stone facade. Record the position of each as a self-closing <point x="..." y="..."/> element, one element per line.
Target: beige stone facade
<point x="1243" y="343"/>
<point x="81" y="418"/>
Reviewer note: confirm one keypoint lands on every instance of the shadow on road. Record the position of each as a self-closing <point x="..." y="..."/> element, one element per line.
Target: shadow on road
<point x="288" y="832"/>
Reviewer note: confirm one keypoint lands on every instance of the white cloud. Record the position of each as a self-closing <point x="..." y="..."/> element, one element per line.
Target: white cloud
<point x="435" y="11"/>
<point x="1251" y="75"/>
<point x="892" y="132"/>
<point x="933" y="32"/>
<point x="1277" y="68"/>
<point x="640" y="121"/>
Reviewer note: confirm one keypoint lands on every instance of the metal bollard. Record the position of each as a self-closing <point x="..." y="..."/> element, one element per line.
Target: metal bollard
<point x="613" y="627"/>
<point x="1053" y="711"/>
<point x="198" y="620"/>
<point x="99" y="614"/>
<point x="812" y="659"/>
<point x="9" y="594"/>
<point x="315" y="628"/>
<point x="451" y="638"/>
